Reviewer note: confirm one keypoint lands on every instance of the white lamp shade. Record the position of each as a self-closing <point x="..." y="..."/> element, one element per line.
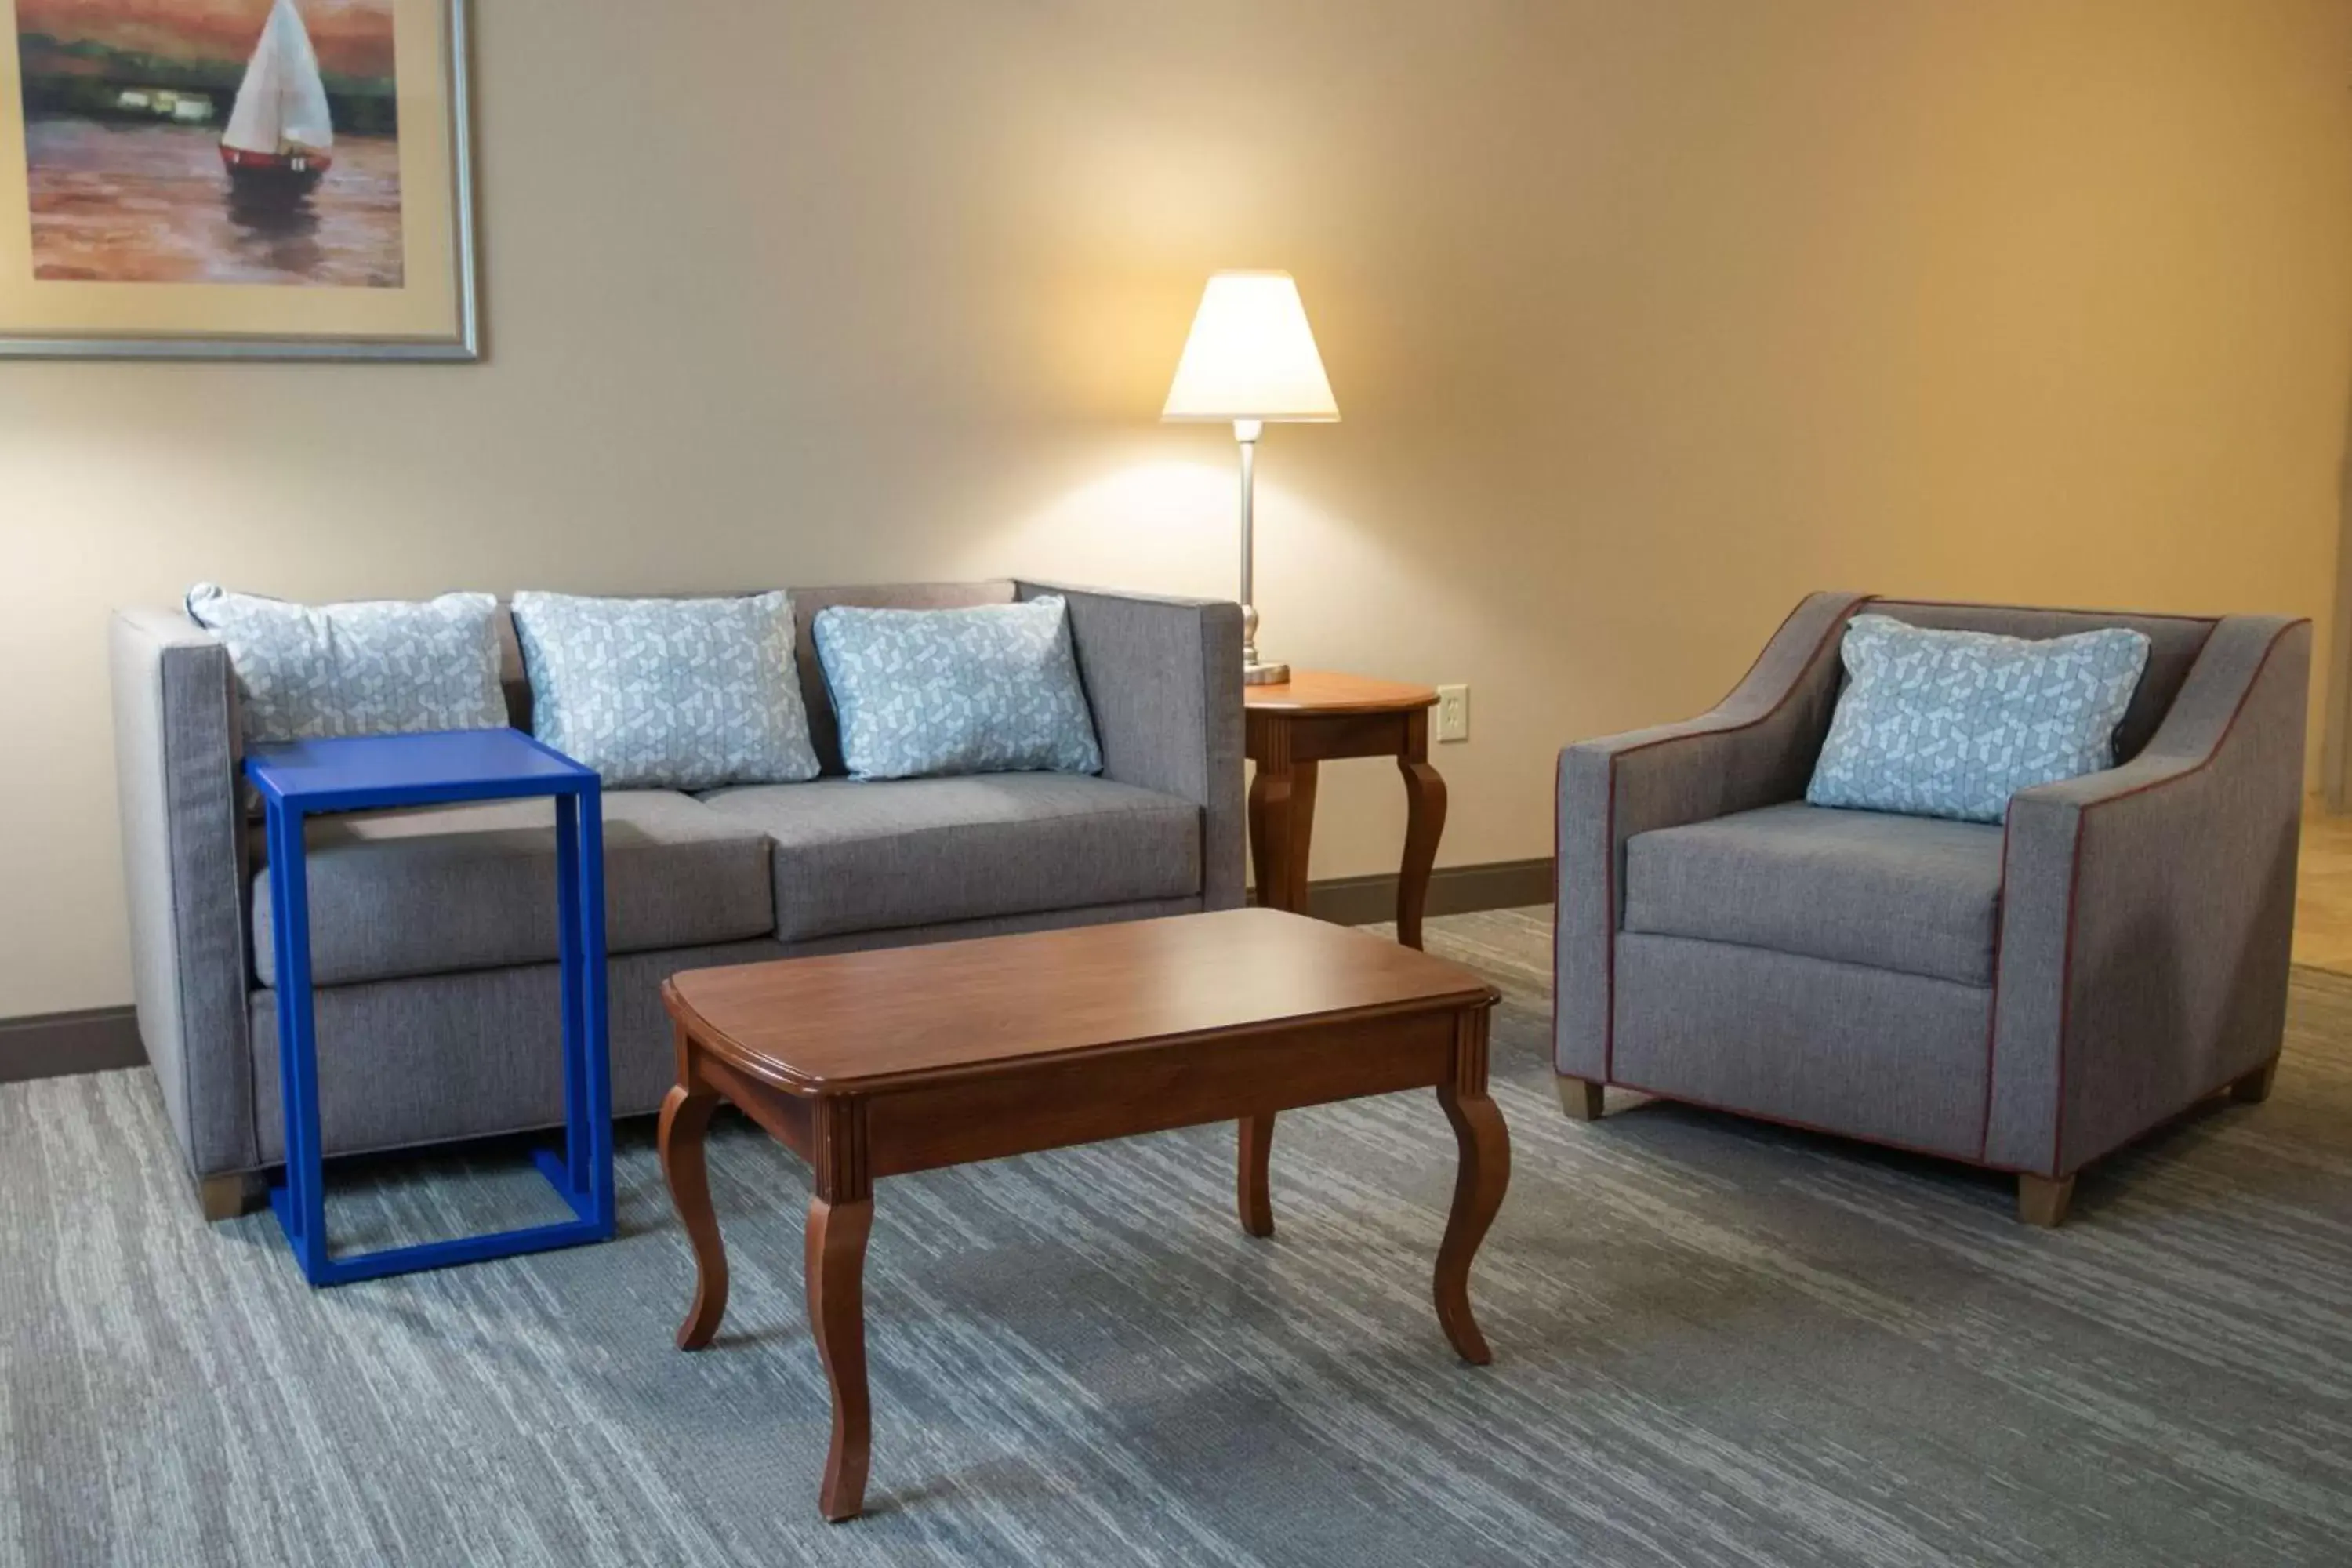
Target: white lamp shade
<point x="1251" y="355"/>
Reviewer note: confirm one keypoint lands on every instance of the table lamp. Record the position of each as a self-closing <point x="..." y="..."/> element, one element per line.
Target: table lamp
<point x="1251" y="359"/>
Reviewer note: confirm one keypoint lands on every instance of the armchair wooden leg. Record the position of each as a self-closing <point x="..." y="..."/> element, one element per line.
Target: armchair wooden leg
<point x="2043" y="1201"/>
<point x="229" y="1196"/>
<point x="1579" y="1098"/>
<point x="2256" y="1087"/>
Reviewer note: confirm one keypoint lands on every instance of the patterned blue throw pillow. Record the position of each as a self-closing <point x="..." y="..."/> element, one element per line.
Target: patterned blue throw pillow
<point x="1947" y="723"/>
<point x="667" y="693"/>
<point x="310" y="672"/>
<point x="992" y="690"/>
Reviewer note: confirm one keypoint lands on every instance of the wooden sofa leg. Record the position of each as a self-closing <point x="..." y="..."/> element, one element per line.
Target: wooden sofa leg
<point x="1581" y="1099"/>
<point x="2043" y="1201"/>
<point x="229" y="1196"/>
<point x="2256" y="1087"/>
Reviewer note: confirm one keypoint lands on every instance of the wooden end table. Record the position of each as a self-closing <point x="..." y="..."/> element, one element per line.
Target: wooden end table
<point x="876" y="1064"/>
<point x="1317" y="716"/>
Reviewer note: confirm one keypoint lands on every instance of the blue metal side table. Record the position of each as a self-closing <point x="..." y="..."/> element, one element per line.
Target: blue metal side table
<point x="302" y="779"/>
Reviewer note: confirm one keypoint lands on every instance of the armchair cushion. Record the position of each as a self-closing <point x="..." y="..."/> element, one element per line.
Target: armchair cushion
<point x="1952" y="723"/>
<point x="1914" y="894"/>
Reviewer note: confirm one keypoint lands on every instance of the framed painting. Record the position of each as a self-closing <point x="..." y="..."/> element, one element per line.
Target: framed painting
<point x="235" y="179"/>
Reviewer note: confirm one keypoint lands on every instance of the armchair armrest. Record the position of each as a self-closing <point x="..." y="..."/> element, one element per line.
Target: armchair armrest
<point x="1758" y="746"/>
<point x="176" y="756"/>
<point x="1164" y="679"/>
<point x="2148" y="913"/>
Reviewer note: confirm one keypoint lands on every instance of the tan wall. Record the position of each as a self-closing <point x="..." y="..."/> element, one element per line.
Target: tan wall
<point x="1646" y="316"/>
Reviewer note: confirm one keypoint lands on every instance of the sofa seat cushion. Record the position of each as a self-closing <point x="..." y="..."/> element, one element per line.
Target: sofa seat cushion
<point x="860" y="857"/>
<point x="1916" y="894"/>
<point x="427" y="891"/>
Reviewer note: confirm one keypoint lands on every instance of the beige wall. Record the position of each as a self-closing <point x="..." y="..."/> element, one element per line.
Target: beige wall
<point x="1646" y="316"/>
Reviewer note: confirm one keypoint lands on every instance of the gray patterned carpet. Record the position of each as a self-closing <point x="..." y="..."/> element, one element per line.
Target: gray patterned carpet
<point x="1715" y="1342"/>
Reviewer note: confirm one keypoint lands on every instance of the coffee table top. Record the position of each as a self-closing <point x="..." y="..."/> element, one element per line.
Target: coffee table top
<point x="856" y="1021"/>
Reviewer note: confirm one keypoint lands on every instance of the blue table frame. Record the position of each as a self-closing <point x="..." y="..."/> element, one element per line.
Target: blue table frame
<point x="305" y="778"/>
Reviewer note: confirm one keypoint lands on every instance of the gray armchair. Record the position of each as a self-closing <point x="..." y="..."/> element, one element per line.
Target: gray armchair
<point x="2025" y="998"/>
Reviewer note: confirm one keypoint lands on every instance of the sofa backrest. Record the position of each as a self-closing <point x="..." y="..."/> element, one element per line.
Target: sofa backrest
<point x="824" y="729"/>
<point x="2174" y="643"/>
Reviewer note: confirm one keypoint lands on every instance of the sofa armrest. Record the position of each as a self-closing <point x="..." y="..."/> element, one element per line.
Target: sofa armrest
<point x="2148" y="913"/>
<point x="175" y="757"/>
<point x="1755" y="748"/>
<point x="1164" y="679"/>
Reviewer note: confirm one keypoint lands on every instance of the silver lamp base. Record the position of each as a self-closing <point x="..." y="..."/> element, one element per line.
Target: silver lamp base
<point x="1253" y="672"/>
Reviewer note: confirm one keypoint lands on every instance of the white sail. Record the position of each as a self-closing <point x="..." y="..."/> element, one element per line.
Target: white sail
<point x="281" y="108"/>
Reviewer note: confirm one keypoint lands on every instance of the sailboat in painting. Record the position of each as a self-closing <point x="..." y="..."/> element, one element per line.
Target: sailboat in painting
<point x="281" y="137"/>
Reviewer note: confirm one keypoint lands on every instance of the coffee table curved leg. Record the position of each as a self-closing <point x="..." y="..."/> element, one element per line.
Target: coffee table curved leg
<point x="1478" y="1188"/>
<point x="1254" y="1192"/>
<point x="685" y="1117"/>
<point x="836" y="1308"/>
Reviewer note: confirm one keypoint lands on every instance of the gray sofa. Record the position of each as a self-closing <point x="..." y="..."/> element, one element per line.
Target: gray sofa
<point x="434" y="931"/>
<point x="2026" y="998"/>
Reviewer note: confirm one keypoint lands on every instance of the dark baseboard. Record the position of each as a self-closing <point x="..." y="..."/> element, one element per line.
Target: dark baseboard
<point x="1452" y="890"/>
<point x="57" y="1044"/>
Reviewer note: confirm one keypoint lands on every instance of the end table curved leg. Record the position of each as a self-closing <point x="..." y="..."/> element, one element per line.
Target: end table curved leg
<point x="1424" y="796"/>
<point x="1297" y="851"/>
<point x="1282" y="832"/>
<point x="836" y="1308"/>
<point x="1478" y="1188"/>
<point x="684" y="1118"/>
<point x="1262" y="807"/>
<point x="1253" y="1189"/>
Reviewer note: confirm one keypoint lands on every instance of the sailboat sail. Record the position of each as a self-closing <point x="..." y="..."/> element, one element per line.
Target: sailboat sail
<point x="281" y="108"/>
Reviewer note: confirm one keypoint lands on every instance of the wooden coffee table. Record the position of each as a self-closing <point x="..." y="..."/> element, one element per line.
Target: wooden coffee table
<point x="878" y="1064"/>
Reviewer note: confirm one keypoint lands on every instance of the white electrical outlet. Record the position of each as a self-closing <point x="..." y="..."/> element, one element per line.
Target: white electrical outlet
<point x="1452" y="713"/>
